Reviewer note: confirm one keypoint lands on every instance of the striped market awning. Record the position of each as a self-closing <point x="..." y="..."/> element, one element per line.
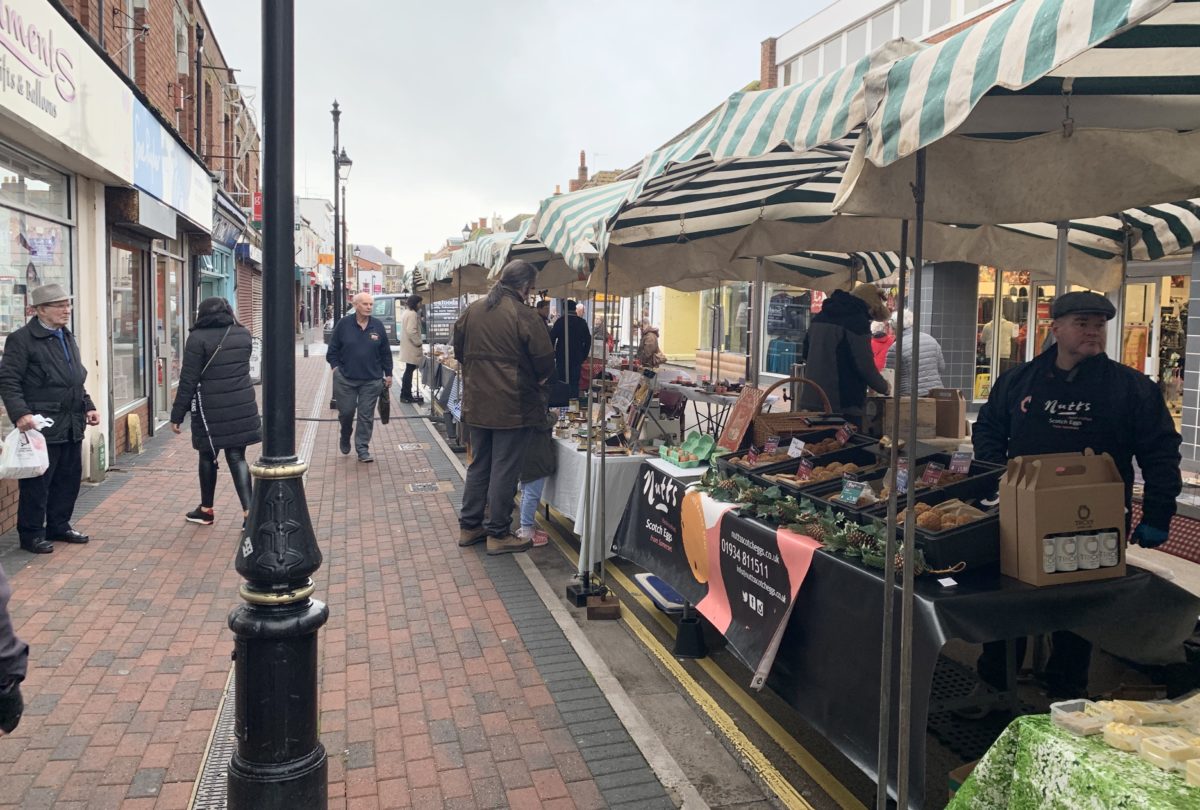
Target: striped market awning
<point x="471" y="266"/>
<point x="1046" y="110"/>
<point x="797" y="118"/>
<point x="706" y="220"/>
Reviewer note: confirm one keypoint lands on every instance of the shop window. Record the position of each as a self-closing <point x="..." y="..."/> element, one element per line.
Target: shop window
<point x="25" y="183"/>
<point x="811" y="64"/>
<point x="787" y="319"/>
<point x="883" y="27"/>
<point x="939" y="14"/>
<point x="127" y="308"/>
<point x="911" y="18"/>
<point x="726" y="317"/>
<point x="856" y="43"/>
<point x="831" y="55"/>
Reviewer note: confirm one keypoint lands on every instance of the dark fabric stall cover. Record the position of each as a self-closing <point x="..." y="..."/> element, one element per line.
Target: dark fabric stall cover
<point x="742" y="576"/>
<point x="827" y="663"/>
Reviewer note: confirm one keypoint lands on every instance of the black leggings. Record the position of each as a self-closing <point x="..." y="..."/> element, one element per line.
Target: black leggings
<point x="406" y="381"/>
<point x="235" y="457"/>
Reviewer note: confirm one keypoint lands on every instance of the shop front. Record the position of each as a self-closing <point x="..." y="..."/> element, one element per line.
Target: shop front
<point x="249" y="256"/>
<point x="724" y="348"/>
<point x="216" y="274"/>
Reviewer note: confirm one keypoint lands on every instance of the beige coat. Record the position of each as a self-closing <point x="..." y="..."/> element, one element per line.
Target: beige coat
<point x="410" y="337"/>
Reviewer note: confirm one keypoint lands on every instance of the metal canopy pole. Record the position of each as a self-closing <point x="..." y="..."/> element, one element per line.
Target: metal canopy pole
<point x="884" y="758"/>
<point x="429" y="335"/>
<point x="757" y="311"/>
<point x="1060" y="259"/>
<point x="597" y="540"/>
<point x="906" y="602"/>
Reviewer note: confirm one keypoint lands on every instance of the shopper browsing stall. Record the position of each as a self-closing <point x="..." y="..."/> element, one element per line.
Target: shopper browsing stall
<point x="930" y="366"/>
<point x="572" y="339"/>
<point x="1070" y="398"/>
<point x="837" y="350"/>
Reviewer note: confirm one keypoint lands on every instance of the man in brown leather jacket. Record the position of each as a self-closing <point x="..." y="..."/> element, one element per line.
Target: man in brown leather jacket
<point x="506" y="359"/>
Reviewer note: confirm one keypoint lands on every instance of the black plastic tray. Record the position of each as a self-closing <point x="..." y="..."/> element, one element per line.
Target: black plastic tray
<point x="976" y="544"/>
<point x="861" y="455"/>
<point x="982" y="481"/>
<point x="856" y="440"/>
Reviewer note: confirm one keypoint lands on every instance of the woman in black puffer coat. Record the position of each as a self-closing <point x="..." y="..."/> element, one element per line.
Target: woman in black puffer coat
<point x="214" y="385"/>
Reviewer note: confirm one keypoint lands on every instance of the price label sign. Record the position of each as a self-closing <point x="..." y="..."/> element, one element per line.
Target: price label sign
<point x="796" y="448"/>
<point x="752" y="455"/>
<point x="851" y="490"/>
<point x="805" y="470"/>
<point x="933" y="474"/>
<point x="902" y="476"/>
<point x="844" y="433"/>
<point x="960" y="462"/>
<point x="771" y="446"/>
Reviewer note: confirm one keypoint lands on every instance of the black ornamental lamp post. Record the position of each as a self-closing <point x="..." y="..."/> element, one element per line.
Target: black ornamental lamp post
<point x="279" y="761"/>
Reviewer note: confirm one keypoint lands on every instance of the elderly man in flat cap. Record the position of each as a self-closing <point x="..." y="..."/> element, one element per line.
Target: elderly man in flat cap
<point x="1069" y="398"/>
<point x="41" y="373"/>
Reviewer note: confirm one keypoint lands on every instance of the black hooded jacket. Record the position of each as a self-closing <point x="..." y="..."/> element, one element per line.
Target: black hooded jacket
<point x="837" y="350"/>
<point x="1100" y="404"/>
<point x="226" y="396"/>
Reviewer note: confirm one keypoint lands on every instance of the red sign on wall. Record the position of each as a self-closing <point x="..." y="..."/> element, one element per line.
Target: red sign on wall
<point x="258" y="205"/>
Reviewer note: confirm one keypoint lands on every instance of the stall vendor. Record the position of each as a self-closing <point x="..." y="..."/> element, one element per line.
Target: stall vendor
<point x="1070" y="398"/>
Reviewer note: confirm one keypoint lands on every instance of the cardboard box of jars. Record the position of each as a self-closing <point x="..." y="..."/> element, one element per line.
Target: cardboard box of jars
<point x="1062" y="519"/>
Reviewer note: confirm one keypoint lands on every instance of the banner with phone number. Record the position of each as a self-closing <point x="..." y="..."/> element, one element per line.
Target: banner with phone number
<point x="742" y="575"/>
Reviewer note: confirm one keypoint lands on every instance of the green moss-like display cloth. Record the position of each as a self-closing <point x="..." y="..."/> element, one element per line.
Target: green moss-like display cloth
<point x="1035" y="765"/>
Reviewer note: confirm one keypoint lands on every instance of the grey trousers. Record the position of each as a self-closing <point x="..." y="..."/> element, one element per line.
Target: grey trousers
<point x="356" y="397"/>
<point x="496" y="458"/>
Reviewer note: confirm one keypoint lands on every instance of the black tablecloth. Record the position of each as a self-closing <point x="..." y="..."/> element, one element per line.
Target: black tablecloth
<point x="828" y="665"/>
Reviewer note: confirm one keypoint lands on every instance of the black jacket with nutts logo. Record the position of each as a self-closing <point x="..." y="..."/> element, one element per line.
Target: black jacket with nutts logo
<point x="1100" y="404"/>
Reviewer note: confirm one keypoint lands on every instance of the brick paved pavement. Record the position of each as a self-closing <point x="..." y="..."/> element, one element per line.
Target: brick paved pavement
<point x="444" y="682"/>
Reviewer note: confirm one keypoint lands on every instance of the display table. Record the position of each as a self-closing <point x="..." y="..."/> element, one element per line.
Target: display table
<point x="828" y="665"/>
<point x="1037" y="766"/>
<point x="565" y="488"/>
<point x="717" y="407"/>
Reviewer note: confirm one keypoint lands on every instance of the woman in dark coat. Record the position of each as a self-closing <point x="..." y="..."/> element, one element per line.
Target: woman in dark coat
<point x="214" y="385"/>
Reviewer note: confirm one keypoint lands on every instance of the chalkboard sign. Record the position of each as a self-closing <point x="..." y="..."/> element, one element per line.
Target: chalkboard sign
<point x="439" y="319"/>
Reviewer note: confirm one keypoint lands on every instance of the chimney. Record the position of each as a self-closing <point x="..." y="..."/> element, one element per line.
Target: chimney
<point x="583" y="174"/>
<point x="768" y="70"/>
<point x="557" y="189"/>
<point x="388" y="251"/>
<point x="483" y="223"/>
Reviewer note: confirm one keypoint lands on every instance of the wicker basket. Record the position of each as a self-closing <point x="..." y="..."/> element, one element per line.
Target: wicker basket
<point x="785" y="425"/>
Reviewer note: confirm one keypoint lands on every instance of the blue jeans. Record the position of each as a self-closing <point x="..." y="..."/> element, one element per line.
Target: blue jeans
<point x="531" y="496"/>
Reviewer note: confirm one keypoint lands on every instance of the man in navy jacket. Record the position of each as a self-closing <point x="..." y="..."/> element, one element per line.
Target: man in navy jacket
<point x="361" y="359"/>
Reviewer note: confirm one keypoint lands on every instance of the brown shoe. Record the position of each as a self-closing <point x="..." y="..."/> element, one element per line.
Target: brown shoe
<point x="508" y="544"/>
<point x="469" y="537"/>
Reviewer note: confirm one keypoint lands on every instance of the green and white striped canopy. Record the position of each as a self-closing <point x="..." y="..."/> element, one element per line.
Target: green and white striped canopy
<point x="705" y="220"/>
<point x="1047" y="110"/>
<point x="472" y="264"/>
<point x="424" y="273"/>
<point x="798" y="117"/>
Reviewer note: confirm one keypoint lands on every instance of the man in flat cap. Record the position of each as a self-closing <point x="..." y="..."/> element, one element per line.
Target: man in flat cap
<point x="1069" y="398"/>
<point x="41" y="373"/>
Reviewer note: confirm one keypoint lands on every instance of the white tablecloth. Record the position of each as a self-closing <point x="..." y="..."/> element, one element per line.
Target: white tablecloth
<point x="565" y="489"/>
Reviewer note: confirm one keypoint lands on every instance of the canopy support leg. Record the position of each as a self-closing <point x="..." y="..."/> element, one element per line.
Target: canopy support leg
<point x="906" y="603"/>
<point x="883" y="760"/>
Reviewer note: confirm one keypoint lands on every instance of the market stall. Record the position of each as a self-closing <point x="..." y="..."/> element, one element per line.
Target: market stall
<point x="1037" y="764"/>
<point x="806" y="621"/>
<point x="565" y="490"/>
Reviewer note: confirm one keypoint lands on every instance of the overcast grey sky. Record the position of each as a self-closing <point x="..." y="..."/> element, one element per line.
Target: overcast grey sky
<point x="454" y="110"/>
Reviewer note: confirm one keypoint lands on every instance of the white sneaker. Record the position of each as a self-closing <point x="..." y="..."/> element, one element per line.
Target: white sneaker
<point x="525" y="532"/>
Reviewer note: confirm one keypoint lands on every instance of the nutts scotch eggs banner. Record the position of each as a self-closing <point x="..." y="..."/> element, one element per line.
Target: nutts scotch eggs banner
<point x="742" y="575"/>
